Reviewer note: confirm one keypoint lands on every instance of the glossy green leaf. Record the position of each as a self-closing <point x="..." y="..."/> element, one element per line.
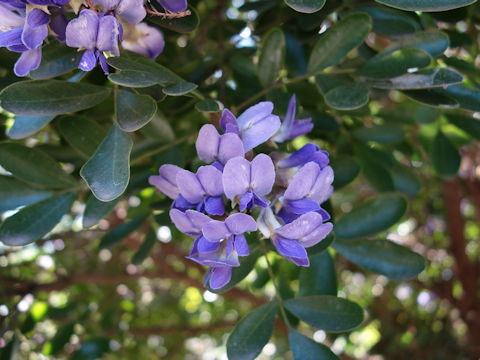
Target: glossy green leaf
<point x="432" y="41"/>
<point x="326" y="312"/>
<point x="159" y="129"/>
<point x="209" y="106"/>
<point x="426" y="5"/>
<point x="239" y="273"/>
<point x="179" y="88"/>
<point x="183" y="25"/>
<point x="272" y="56"/>
<point x="346" y="169"/>
<point x="133" y="111"/>
<point x="405" y="180"/>
<point x="432" y="97"/>
<point x="390" y="22"/>
<point x="15" y="193"/>
<point x="372" y="217"/>
<point x="423" y="79"/>
<point x="34" y="221"/>
<point x="96" y="210"/>
<point x="319" y="278"/>
<point x="304" y="348"/>
<point x="83" y="134"/>
<point x="24" y="126"/>
<point x="133" y="78"/>
<point x="339" y="40"/>
<point x="377" y="175"/>
<point x="57" y="59"/>
<point x="392" y="64"/>
<point x="384" y="134"/>
<point x="33" y="166"/>
<point x="146" y="248"/>
<point x="252" y="333"/>
<point x="121" y="232"/>
<point x="50" y="97"/>
<point x="469" y="124"/>
<point x="306" y="6"/>
<point x="467" y="98"/>
<point x="445" y="157"/>
<point x="107" y="173"/>
<point x="347" y="97"/>
<point x="382" y="256"/>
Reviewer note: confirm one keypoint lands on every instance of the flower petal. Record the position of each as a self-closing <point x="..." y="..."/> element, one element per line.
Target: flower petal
<point x="29" y="60"/>
<point x="322" y="189"/>
<point x="302" y="206"/>
<point x="108" y="34"/>
<point x="183" y="223"/>
<point x="255" y="113"/>
<point x="174" y="5"/>
<point x="88" y="60"/>
<point x="207" y="143"/>
<point x="228" y="122"/>
<point x="300" y="227"/>
<point x="205" y="246"/>
<point x="190" y="186"/>
<point x="236" y="177"/>
<point x="230" y="146"/>
<point x="12" y="37"/>
<point x="287" y="124"/>
<point x="262" y="174"/>
<point x="241" y="245"/>
<point x="166" y="182"/>
<point x="82" y="31"/>
<point x="256" y="133"/>
<point x="211" y="180"/>
<point x="317" y="235"/>
<point x="239" y="223"/>
<point x="303" y="182"/>
<point x="37" y="17"/>
<point x="299" y="157"/>
<point x="131" y="11"/>
<point x="290" y="248"/>
<point x="215" y="230"/>
<point x="220" y="276"/>
<point x="214" y="205"/>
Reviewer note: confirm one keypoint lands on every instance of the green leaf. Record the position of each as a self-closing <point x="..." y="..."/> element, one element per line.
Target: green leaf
<point x="392" y="64"/>
<point x="133" y="111"/>
<point x="239" y="273"/>
<point x="382" y="256"/>
<point x="346" y="169"/>
<point x="208" y="106"/>
<point x="133" y="78"/>
<point x="389" y="22"/>
<point x="445" y="157"/>
<point x="159" y="129"/>
<point x="383" y="134"/>
<point x="83" y="134"/>
<point x="96" y="210"/>
<point x="146" y="248"/>
<point x="372" y="217"/>
<point x="468" y="124"/>
<point x="405" y="180"/>
<point x="426" y="5"/>
<point x="50" y="97"/>
<point x="57" y="59"/>
<point x="272" y="56"/>
<point x="306" y="6"/>
<point x="183" y="25"/>
<point x="432" y="97"/>
<point x="107" y="173"/>
<point x="15" y="193"/>
<point x="179" y="88"/>
<point x="467" y="98"/>
<point x="121" y="232"/>
<point x="24" y="126"/>
<point x="252" y="333"/>
<point x="326" y="312"/>
<point x="319" y="278"/>
<point x="33" y="166"/>
<point x="339" y="40"/>
<point x="34" y="221"/>
<point x="304" y="348"/>
<point x="347" y="97"/>
<point x="424" y="79"/>
<point x="321" y="246"/>
<point x="434" y="42"/>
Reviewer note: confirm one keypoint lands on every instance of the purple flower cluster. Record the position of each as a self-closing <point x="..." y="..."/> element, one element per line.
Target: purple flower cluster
<point x="98" y="29"/>
<point x="236" y="192"/>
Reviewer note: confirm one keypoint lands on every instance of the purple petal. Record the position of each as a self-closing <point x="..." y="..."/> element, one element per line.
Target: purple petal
<point x="255" y="113"/>
<point x="207" y="143"/>
<point x="88" y="60"/>
<point x="174" y="5"/>
<point x="37" y="17"/>
<point x="325" y="215"/>
<point x="287" y="124"/>
<point x="11" y="37"/>
<point x="182" y="204"/>
<point x="82" y="31"/>
<point x="32" y="37"/>
<point x="9" y="18"/>
<point x="262" y="174"/>
<point x="190" y="186"/>
<point x="131" y="11"/>
<point x="183" y="223"/>
<point x="302" y="206"/>
<point x="58" y="24"/>
<point x="246" y="201"/>
<point x="240" y="243"/>
<point x="197" y="219"/>
<point x="215" y="230"/>
<point x="290" y="248"/>
<point x="166" y="182"/>
<point x="260" y="201"/>
<point x="239" y="223"/>
<point x="29" y="60"/>
<point x="256" y="133"/>
<point x="230" y="146"/>
<point x="211" y="180"/>
<point x="220" y="276"/>
<point x="300" y="227"/>
<point x="103" y="61"/>
<point x="322" y="189"/>
<point x="214" y="205"/>
<point x="317" y="235"/>
<point x="228" y="122"/>
<point x="205" y="246"/>
<point x="303" y="182"/>
<point x="300" y="127"/>
<point x="108" y="34"/>
<point x="150" y="41"/>
<point x="236" y="177"/>
<point x="299" y="157"/>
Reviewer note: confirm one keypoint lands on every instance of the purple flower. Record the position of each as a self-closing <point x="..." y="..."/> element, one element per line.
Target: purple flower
<point x="291" y="239"/>
<point x="255" y="125"/>
<point x="292" y="128"/>
<point x="131" y="11"/>
<point x="144" y="39"/>
<point x="97" y="34"/>
<point x="212" y="147"/>
<point x="247" y="182"/>
<point x="190" y="223"/>
<point x="174" y="5"/>
<point x="204" y="189"/>
<point x="166" y="181"/>
<point x="309" y="152"/>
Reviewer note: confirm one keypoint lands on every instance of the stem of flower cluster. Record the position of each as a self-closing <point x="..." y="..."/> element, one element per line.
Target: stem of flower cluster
<point x="277" y="293"/>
